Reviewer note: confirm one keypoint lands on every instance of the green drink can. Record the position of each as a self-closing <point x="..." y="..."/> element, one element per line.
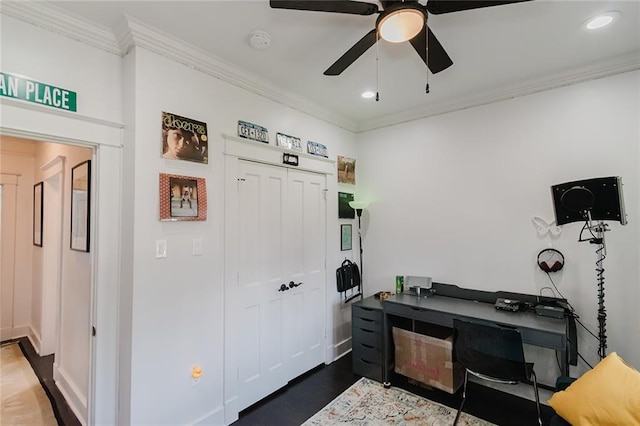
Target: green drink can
<point x="399" y="283"/>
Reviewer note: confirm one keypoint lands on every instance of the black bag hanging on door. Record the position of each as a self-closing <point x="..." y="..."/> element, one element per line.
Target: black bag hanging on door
<point x="348" y="277"/>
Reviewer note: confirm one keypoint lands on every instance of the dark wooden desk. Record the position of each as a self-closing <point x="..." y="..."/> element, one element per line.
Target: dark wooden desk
<point x="441" y="310"/>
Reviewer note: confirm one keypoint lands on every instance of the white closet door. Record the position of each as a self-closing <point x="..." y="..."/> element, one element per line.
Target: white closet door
<point x="259" y="306"/>
<point x="281" y="216"/>
<point x="305" y="302"/>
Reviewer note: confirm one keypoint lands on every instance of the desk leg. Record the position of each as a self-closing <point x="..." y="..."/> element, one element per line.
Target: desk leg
<point x="386" y="351"/>
<point x="564" y="362"/>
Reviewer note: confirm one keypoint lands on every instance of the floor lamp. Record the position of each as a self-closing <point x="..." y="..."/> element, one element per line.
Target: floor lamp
<point x="358" y="206"/>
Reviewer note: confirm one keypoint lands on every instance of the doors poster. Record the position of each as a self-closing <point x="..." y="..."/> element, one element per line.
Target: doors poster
<point x="80" y="203"/>
<point x="182" y="198"/>
<point x="184" y="139"/>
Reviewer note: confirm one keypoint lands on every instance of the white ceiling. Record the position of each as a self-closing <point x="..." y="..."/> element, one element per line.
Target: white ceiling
<point x="497" y="52"/>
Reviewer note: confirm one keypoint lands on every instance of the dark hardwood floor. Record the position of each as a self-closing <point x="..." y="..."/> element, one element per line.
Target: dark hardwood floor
<point x="307" y="394"/>
<point x="43" y="367"/>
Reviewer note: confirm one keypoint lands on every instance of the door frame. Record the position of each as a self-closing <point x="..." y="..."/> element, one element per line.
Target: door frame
<point x="52" y="259"/>
<point x="236" y="149"/>
<point x="30" y="121"/>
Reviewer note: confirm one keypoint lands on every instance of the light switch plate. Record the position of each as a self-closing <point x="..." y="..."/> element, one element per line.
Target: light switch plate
<point x="197" y="247"/>
<point x="161" y="249"/>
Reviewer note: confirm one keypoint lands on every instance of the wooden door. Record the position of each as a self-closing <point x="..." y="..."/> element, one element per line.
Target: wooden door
<point x="278" y="328"/>
<point x="259" y="305"/>
<point x="306" y="302"/>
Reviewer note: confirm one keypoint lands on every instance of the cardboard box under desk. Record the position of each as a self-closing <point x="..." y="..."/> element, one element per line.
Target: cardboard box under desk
<point x="427" y="359"/>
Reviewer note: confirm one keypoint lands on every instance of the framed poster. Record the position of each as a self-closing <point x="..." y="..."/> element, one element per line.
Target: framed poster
<point x="182" y="198"/>
<point x="345" y="237"/>
<point x="80" y="203"/>
<point x="184" y="139"/>
<point x="346" y="170"/>
<point x="344" y="209"/>
<point x="38" y="197"/>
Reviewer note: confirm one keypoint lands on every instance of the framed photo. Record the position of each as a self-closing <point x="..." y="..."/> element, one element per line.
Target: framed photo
<point x="345" y="237"/>
<point x="346" y="170"/>
<point x="80" y="204"/>
<point x="182" y="198"/>
<point x="344" y="209"/>
<point x="38" y="197"/>
<point x="184" y="139"/>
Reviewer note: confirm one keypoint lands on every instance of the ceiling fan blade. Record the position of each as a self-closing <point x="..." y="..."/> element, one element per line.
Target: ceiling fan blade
<point x="438" y="59"/>
<point x="337" y="6"/>
<point x="352" y="54"/>
<point x="437" y="7"/>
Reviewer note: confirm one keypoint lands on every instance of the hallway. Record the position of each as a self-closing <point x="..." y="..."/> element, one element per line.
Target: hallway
<point x="43" y="367"/>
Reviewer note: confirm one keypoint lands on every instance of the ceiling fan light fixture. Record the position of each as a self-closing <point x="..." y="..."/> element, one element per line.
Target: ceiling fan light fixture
<point x="401" y="25"/>
<point x="368" y="94"/>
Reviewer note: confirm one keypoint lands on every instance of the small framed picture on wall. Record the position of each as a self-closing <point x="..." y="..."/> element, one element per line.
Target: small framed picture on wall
<point x="345" y="237"/>
<point x="344" y="210"/>
<point x="80" y="203"/>
<point x="37" y="214"/>
<point x="182" y="198"/>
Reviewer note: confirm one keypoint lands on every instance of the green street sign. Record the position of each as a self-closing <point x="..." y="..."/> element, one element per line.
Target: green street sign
<point x="13" y="86"/>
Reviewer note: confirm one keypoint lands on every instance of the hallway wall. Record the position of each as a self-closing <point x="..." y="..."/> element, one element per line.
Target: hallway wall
<point x="16" y="159"/>
<point x="72" y="358"/>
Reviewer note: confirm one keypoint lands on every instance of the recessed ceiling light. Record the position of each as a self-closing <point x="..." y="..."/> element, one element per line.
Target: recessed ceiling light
<point x="368" y="95"/>
<point x="601" y="20"/>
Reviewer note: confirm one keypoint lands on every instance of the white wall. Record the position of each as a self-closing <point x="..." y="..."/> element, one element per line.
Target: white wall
<point x="96" y="77"/>
<point x="177" y="303"/>
<point x="17" y="258"/>
<point x="454" y="196"/>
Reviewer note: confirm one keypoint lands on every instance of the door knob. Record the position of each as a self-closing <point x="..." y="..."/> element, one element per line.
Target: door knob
<point x="283" y="287"/>
<point x="292" y="284"/>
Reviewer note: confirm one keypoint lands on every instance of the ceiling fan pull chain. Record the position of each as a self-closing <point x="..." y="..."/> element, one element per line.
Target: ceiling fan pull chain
<point x="377" y="67"/>
<point x="426" y="35"/>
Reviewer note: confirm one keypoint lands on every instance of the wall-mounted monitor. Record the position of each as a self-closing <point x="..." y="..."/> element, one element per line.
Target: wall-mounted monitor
<point x="599" y="197"/>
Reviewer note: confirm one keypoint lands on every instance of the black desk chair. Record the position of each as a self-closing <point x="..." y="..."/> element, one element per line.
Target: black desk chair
<point x="492" y="353"/>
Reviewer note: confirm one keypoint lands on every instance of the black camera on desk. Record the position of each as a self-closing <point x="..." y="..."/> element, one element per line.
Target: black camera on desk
<point x="510" y="305"/>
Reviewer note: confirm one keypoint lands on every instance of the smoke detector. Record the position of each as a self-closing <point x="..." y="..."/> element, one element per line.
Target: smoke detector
<point x="260" y="40"/>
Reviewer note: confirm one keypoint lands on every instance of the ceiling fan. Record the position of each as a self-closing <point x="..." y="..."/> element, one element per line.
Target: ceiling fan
<point x="398" y="21"/>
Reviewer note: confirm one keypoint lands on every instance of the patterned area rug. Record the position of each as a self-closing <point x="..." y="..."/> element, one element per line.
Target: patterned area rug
<point x="367" y="402"/>
<point x="24" y="401"/>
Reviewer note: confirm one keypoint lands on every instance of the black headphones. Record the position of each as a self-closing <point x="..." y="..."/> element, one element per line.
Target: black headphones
<point x="550" y="260"/>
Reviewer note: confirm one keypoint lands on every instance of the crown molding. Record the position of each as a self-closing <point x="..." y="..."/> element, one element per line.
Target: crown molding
<point x="132" y="32"/>
<point x="617" y="65"/>
<point x="136" y="33"/>
<point x="60" y="22"/>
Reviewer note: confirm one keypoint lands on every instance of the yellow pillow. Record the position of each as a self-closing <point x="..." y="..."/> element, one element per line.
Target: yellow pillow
<point x="607" y="395"/>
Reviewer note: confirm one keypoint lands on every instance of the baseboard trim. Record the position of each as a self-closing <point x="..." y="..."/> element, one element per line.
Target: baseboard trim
<point x="34" y="338"/>
<point x="76" y="401"/>
<point x="215" y="417"/>
<point x="231" y="410"/>
<point x="9" y="333"/>
<point x="340" y="349"/>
